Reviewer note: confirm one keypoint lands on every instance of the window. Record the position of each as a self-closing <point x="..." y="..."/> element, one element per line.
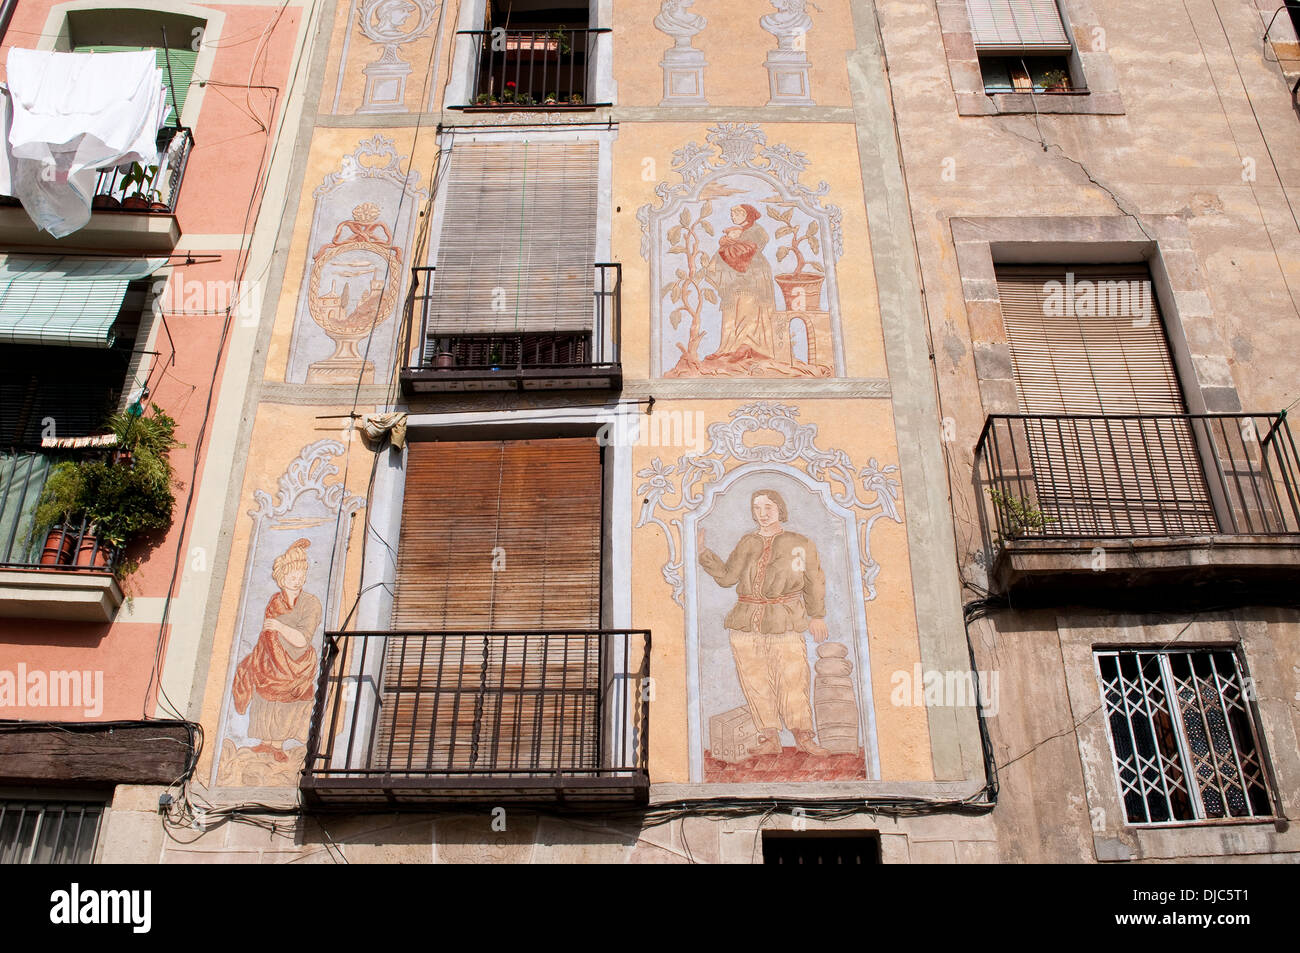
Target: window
<point x="1022" y="46"/>
<point x="496" y="535"/>
<point x="118" y="31"/>
<point x="1184" y="740"/>
<point x="829" y="847"/>
<point x="48" y="832"/>
<point x="1104" y="432"/>
<point x="64" y="388"/>
<point x="533" y="57"/>
<point x="517" y="300"/>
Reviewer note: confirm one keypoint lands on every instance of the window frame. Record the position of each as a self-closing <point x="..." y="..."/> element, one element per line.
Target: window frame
<point x="385" y="505"/>
<point x="47" y="800"/>
<point x="1092" y="73"/>
<point x="1186" y="763"/>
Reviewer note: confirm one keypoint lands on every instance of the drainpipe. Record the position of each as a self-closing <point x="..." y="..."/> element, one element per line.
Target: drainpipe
<point x="6" y="14"/>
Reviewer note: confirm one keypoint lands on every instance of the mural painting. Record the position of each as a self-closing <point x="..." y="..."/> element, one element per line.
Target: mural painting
<point x="348" y="307"/>
<point x="777" y="652"/>
<point x="275" y="660"/>
<point x="390" y="24"/>
<point x="788" y="67"/>
<point x="683" y="64"/>
<point x="742" y="255"/>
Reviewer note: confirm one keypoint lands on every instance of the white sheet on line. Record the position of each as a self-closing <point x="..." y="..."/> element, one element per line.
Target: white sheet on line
<point x="71" y="114"/>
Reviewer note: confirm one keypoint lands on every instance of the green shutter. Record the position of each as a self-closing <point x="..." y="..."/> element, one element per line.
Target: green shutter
<point x="182" y="70"/>
<point x="22" y="477"/>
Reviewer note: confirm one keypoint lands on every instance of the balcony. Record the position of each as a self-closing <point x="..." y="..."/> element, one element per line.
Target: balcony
<point x="549" y="70"/>
<point x="441" y="360"/>
<point x="409" y="719"/>
<point x="133" y="208"/>
<point x="67" y="575"/>
<point x="1132" y="509"/>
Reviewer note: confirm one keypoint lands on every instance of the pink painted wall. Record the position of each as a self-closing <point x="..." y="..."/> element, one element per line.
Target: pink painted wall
<point x="233" y="133"/>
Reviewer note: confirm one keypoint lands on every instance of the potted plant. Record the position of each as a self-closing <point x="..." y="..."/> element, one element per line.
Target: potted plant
<point x="62" y="501"/>
<point x="801" y="288"/>
<point x="1055" y="81"/>
<point x="116" y="501"/>
<point x="575" y="99"/>
<point x="551" y="99"/>
<point x="483" y="99"/>
<point x="1020" y="517"/>
<point x="146" y="196"/>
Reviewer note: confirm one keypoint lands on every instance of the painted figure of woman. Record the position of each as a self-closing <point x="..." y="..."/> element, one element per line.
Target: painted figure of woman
<point x="276" y="682"/>
<point x="744" y="282"/>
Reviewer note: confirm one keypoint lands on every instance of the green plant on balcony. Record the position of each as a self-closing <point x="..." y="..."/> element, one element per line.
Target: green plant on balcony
<point x="119" y="499"/>
<point x="138" y="183"/>
<point x="561" y="37"/>
<point x="1020" y="517"/>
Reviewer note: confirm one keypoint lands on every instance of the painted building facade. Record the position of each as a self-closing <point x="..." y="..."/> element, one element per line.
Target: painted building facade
<point x="604" y="484"/>
<point x="81" y="642"/>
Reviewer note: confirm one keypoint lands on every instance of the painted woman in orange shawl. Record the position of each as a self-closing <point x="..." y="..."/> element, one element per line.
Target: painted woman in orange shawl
<point x="275" y="683"/>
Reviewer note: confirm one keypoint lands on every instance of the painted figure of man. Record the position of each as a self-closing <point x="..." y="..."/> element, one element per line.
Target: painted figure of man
<point x="780" y="595"/>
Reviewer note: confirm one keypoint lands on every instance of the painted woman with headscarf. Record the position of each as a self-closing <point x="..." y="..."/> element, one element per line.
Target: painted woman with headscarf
<point x="745" y="290"/>
<point x="275" y="683"/>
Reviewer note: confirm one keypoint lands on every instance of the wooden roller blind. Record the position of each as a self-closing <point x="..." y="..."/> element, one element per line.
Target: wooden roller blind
<point x="517" y="252"/>
<point x="1091" y="341"/>
<point x="495" y="535"/>
<point x="531" y="508"/>
<point x="1017" y="25"/>
<point x="1087" y="341"/>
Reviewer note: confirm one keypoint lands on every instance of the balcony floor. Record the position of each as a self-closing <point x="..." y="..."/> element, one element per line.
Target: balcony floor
<point x="402" y="792"/>
<point x="1145" y="572"/>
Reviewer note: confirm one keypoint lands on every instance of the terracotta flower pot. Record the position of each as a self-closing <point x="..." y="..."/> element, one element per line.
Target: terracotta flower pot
<point x="138" y="202"/>
<point x="801" y="292"/>
<point x="104" y="201"/>
<point x="92" y="552"/>
<point x="443" y="360"/>
<point x="58" y="547"/>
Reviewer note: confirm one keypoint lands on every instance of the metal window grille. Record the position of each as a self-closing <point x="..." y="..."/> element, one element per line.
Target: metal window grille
<point x="1184" y="740"/>
<point x="48" y="832"/>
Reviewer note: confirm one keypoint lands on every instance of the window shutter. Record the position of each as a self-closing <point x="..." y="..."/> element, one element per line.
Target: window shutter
<point x="517" y="252"/>
<point x="1010" y="26"/>
<point x="177" y="82"/>
<point x="532" y="507"/>
<point x="1071" y="360"/>
<point x="516" y="704"/>
<point x="1105" y="477"/>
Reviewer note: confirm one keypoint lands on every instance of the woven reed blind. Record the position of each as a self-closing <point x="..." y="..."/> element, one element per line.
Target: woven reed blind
<point x="517" y="252"/>
<point x="1091" y="341"/>
<point x="516" y="704"/>
<point x="1017" y="25"/>
<point x="535" y="503"/>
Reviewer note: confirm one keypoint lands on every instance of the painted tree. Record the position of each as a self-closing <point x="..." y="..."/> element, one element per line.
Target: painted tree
<point x="788" y="228"/>
<point x="692" y="286"/>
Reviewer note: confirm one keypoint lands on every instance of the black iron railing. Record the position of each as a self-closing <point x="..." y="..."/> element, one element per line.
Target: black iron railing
<point x="1045" y="476"/>
<point x="152" y="187"/>
<point x="425" y="711"/>
<point x="429" y="345"/>
<point x="23" y="545"/>
<point x="533" y="69"/>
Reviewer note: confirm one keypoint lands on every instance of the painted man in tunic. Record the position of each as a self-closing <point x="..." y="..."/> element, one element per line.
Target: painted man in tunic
<point x="275" y="683"/>
<point x="780" y="595"/>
